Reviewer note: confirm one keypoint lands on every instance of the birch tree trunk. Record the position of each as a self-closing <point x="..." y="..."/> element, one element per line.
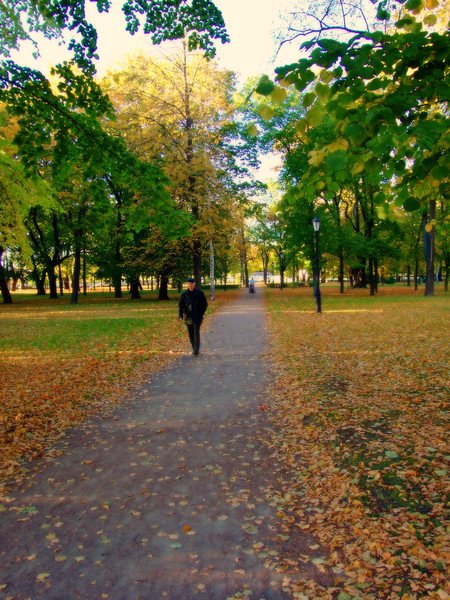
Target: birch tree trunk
<point x="212" y="279"/>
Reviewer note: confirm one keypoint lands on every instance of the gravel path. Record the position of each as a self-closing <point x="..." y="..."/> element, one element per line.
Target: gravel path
<point x="163" y="499"/>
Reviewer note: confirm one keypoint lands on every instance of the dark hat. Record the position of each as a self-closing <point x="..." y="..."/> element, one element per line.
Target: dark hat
<point x="190" y="280"/>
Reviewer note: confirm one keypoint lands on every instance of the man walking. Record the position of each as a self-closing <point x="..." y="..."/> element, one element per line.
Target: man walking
<point x="191" y="308"/>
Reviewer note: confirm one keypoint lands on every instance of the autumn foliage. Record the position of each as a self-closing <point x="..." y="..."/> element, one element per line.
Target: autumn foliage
<point x="359" y="408"/>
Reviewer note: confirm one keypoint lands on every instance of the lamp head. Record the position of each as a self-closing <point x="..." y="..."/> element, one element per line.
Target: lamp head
<point x="316" y="224"/>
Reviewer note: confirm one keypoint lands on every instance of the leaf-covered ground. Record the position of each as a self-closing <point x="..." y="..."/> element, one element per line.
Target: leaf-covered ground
<point x="61" y="364"/>
<point x="360" y="410"/>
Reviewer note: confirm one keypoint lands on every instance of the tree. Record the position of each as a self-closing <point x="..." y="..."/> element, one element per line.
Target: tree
<point x="26" y="90"/>
<point x="388" y="92"/>
<point x="176" y="112"/>
<point x="200" y="21"/>
<point x="59" y="119"/>
<point x="18" y="194"/>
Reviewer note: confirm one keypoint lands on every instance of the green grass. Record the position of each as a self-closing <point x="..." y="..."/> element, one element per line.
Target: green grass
<point x="37" y="323"/>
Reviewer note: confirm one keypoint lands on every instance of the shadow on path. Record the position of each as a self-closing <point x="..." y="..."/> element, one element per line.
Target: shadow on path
<point x="164" y="499"/>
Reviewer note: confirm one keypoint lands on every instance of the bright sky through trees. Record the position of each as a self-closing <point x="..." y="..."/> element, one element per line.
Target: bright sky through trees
<point x="251" y="24"/>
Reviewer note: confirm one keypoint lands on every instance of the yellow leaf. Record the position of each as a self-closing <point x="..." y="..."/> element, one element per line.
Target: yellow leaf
<point x="430" y="4"/>
<point x="358" y="168"/>
<point x="340" y="144"/>
<point x="314" y="116"/>
<point x="430" y="20"/>
<point x="42" y="576"/>
<point x="60" y="558"/>
<point x="278" y="95"/>
<point x="266" y="113"/>
<point x="301" y="126"/>
<point x="187" y="528"/>
<point x="325" y="76"/>
<point x="428" y="227"/>
<point x="252" y="130"/>
<point x="322" y="90"/>
<point x="285" y="82"/>
<point x="316" y="157"/>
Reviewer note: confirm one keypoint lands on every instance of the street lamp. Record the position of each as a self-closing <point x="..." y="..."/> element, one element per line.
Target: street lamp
<point x="316" y="225"/>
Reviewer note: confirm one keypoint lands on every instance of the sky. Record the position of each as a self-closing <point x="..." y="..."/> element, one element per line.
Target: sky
<point x="251" y="24"/>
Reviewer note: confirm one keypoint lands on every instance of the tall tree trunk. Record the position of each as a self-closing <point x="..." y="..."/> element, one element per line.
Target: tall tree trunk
<point x="416" y="273"/>
<point x="60" y="280"/>
<point x="84" y="267"/>
<point x="446" y="269"/>
<point x="429" y="251"/>
<point x="212" y="273"/>
<point x="78" y="245"/>
<point x="191" y="187"/>
<point x="117" y="283"/>
<point x="358" y="277"/>
<point x="41" y="249"/>
<point x="376" y="274"/>
<point x="55" y="258"/>
<point x="6" y="294"/>
<point x="163" y="286"/>
<point x="197" y="261"/>
<point x="134" y="289"/>
<point x="371" y="277"/>
<point x="341" y="271"/>
<point x="76" y="272"/>
<point x="244" y="260"/>
<point x="265" y="262"/>
<point x="39" y="279"/>
<point x="52" y="281"/>
<point x="117" y="269"/>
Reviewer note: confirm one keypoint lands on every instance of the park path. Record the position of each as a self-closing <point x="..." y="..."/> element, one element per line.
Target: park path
<point x="165" y="498"/>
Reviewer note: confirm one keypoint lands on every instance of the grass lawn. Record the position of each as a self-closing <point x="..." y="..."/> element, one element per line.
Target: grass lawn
<point x="62" y="363"/>
<point x="360" y="403"/>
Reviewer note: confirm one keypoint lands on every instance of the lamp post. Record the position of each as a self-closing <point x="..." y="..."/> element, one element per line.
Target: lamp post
<point x="316" y="225"/>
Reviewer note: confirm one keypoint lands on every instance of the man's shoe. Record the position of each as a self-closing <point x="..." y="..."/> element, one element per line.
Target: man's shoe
<point x="196" y="352"/>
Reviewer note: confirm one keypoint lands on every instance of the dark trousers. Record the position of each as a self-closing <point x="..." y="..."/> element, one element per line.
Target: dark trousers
<point x="194" y="336"/>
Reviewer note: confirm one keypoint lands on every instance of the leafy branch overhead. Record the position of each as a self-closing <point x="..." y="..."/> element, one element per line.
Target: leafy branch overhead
<point x="199" y="20"/>
<point x="388" y="92"/>
<point x="26" y="91"/>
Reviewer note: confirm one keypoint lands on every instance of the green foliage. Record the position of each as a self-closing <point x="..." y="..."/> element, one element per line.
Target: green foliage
<point x="265" y="86"/>
<point x="388" y="95"/>
<point x="18" y="193"/>
<point x="201" y="21"/>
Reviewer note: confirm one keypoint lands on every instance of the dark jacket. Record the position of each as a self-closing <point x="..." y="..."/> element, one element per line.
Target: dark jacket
<point x="192" y="305"/>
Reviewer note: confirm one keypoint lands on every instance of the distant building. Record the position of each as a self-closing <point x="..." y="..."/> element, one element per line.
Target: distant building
<point x="258" y="276"/>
